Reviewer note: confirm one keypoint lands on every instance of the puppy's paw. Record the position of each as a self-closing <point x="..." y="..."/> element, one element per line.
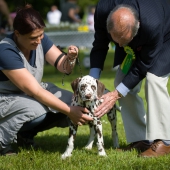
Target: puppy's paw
<point x="88" y="147"/>
<point x="103" y="153"/>
<point x="65" y="155"/>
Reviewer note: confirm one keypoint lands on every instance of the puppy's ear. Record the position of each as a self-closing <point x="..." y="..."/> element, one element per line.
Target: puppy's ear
<point x="100" y="88"/>
<point x="74" y="85"/>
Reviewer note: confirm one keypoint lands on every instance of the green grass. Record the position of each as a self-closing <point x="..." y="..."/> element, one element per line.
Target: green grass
<point x="52" y="143"/>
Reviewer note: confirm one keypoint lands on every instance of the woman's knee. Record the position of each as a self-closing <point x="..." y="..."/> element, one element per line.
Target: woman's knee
<point x="62" y="94"/>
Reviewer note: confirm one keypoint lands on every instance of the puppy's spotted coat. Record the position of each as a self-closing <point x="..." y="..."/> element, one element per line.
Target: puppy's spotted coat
<point x="87" y="90"/>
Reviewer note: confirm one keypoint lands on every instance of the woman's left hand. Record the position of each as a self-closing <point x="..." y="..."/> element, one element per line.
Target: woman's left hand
<point x="72" y="52"/>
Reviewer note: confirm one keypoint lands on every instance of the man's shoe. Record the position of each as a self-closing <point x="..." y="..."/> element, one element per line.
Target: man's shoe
<point x="158" y="148"/>
<point x="139" y="146"/>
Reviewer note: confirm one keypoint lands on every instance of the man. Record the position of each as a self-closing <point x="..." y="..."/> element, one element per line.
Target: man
<point x="141" y="32"/>
<point x="69" y="12"/>
<point x="54" y="15"/>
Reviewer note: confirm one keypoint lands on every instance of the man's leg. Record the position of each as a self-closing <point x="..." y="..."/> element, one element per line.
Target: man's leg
<point x="133" y="112"/>
<point x="158" y="100"/>
<point x="158" y="116"/>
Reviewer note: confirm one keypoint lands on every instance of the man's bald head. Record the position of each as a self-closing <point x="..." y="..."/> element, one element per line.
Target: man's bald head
<point x="123" y="20"/>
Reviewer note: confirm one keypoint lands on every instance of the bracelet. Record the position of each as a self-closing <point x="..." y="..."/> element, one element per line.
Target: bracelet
<point x="58" y="59"/>
<point x="72" y="62"/>
<point x="61" y="50"/>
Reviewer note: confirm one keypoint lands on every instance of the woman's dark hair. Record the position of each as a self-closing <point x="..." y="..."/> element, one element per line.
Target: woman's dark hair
<point x="27" y="20"/>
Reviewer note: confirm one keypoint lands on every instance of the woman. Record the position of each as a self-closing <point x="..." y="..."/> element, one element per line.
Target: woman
<point x="27" y="105"/>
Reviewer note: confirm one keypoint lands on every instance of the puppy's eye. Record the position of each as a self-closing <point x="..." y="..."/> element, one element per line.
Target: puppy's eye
<point x="83" y="87"/>
<point x="93" y="87"/>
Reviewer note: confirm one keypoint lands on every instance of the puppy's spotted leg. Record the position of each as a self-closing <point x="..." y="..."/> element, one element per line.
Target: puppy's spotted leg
<point x="113" y="119"/>
<point x="100" y="142"/>
<point x="90" y="142"/>
<point x="70" y="145"/>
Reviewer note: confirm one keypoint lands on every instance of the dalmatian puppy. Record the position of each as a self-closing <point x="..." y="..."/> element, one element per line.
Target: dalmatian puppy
<point x="87" y="92"/>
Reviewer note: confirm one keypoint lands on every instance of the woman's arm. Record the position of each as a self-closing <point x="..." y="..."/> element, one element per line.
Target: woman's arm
<point x="31" y="87"/>
<point x="67" y="61"/>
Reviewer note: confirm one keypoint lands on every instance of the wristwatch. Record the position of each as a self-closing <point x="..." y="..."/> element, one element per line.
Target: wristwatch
<point x="119" y="94"/>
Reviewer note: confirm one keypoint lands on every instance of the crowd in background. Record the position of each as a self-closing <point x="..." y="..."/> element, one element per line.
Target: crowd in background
<point x="68" y="12"/>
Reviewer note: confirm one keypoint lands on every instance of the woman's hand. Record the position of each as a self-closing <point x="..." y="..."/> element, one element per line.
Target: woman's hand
<point x="109" y="101"/>
<point x="79" y="116"/>
<point x="72" y="52"/>
<point x="70" y="59"/>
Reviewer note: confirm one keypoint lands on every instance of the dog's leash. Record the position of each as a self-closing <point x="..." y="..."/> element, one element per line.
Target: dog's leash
<point x="78" y="62"/>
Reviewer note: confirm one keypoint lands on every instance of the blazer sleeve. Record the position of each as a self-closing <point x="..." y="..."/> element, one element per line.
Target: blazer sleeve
<point x="101" y="39"/>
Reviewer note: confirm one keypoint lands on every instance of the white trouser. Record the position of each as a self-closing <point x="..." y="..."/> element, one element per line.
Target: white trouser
<point x="133" y="112"/>
<point x="158" y="117"/>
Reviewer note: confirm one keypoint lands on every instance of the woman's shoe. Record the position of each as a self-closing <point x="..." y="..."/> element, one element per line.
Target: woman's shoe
<point x="25" y="142"/>
<point x="8" y="151"/>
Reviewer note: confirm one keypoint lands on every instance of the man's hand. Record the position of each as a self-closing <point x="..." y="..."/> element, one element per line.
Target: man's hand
<point x="109" y="101"/>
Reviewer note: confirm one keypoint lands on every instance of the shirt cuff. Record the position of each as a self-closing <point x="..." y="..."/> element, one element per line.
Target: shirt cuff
<point x="121" y="88"/>
<point x="95" y="72"/>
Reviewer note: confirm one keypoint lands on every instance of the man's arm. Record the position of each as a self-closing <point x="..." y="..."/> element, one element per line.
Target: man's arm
<point x="100" y="44"/>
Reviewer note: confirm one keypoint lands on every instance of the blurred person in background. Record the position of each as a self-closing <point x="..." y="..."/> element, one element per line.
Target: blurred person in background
<point x="90" y="18"/>
<point x="54" y="15"/>
<point x="69" y="12"/>
<point x="6" y="20"/>
<point x="77" y="12"/>
<point x="13" y="15"/>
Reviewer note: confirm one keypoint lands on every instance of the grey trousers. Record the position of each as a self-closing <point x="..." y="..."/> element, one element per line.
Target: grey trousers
<point x="17" y="109"/>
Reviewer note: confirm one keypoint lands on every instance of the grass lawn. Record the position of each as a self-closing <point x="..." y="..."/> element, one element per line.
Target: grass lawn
<point x="52" y="143"/>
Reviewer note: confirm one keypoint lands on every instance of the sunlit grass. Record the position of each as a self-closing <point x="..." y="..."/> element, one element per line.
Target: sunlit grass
<point x="52" y="143"/>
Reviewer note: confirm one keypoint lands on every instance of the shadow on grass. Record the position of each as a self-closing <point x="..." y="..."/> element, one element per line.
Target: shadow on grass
<point x="58" y="143"/>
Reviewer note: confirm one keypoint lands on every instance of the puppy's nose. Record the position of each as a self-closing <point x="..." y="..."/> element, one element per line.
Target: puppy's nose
<point x="88" y="96"/>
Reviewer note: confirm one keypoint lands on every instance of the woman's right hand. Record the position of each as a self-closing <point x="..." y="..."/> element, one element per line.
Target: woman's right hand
<point x="79" y="116"/>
